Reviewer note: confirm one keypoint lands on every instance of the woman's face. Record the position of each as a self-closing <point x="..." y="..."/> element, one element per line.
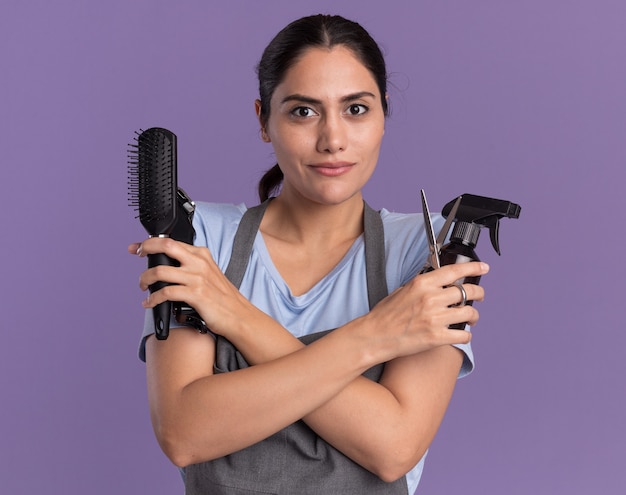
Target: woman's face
<point x="326" y="126"/>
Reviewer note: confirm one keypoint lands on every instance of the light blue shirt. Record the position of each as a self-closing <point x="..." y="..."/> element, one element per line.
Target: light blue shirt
<point x="338" y="298"/>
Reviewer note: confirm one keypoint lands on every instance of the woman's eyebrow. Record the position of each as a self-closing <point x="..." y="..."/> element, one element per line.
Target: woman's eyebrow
<point x="314" y="101"/>
<point x="358" y="96"/>
<point x="300" y="98"/>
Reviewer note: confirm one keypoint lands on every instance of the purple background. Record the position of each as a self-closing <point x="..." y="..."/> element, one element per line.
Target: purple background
<point x="519" y="100"/>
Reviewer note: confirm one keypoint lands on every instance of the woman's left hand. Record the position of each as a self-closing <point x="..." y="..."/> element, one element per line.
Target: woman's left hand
<point x="198" y="281"/>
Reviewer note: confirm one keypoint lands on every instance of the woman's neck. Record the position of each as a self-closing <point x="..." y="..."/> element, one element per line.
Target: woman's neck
<point x="303" y="222"/>
<point x="307" y="240"/>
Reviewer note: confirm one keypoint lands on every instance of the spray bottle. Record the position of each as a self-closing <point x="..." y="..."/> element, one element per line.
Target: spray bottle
<point x="474" y="213"/>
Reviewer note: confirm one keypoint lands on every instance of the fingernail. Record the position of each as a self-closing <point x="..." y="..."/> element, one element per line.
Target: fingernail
<point x="139" y="250"/>
<point x="484" y="266"/>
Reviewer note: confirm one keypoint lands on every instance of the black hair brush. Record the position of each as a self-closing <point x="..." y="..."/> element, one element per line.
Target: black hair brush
<point x="153" y="191"/>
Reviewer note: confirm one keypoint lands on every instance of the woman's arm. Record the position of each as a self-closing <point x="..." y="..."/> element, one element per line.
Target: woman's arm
<point x="385" y="427"/>
<point x="199" y="416"/>
<point x="319" y="383"/>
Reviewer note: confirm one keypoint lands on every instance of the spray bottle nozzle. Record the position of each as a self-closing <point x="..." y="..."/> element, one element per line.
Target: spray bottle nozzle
<point x="481" y="212"/>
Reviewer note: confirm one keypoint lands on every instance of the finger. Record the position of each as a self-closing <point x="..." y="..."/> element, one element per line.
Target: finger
<point x="460" y="294"/>
<point x="457" y="294"/>
<point x="134" y="248"/>
<point x="463" y="314"/>
<point x="168" y="293"/>
<point x="172" y="248"/>
<point x="154" y="299"/>
<point x="163" y="273"/>
<point x="447" y="275"/>
<point x="455" y="337"/>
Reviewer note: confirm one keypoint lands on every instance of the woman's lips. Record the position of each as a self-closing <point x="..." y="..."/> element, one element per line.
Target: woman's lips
<point x="332" y="169"/>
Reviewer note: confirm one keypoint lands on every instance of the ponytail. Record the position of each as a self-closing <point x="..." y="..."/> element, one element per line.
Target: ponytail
<point x="270" y="182"/>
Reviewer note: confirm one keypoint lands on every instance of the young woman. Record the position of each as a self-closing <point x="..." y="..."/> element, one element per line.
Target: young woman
<point x="270" y="401"/>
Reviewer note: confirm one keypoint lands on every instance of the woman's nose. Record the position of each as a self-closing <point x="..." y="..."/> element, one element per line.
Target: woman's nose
<point x="332" y="135"/>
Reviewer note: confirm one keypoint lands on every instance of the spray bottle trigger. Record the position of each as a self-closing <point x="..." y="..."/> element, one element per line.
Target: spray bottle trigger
<point x="493" y="223"/>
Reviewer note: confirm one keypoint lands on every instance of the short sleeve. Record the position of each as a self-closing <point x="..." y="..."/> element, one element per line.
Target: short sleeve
<point x="215" y="225"/>
<point x="468" y="358"/>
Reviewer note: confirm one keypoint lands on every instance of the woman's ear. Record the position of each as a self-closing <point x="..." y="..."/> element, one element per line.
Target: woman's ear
<point x="387" y="102"/>
<point x="257" y="110"/>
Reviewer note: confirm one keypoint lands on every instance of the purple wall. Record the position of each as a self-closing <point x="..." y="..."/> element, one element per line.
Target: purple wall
<point x="520" y="100"/>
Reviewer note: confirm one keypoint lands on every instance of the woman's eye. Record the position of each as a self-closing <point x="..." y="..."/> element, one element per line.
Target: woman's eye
<point x="303" y="112"/>
<point x="357" y="109"/>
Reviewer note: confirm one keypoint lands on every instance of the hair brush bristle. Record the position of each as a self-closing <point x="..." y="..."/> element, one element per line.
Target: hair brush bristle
<point x="152" y="182"/>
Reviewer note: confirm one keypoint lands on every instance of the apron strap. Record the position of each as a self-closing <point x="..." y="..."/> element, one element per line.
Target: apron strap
<point x="244" y="240"/>
<point x="374" y="238"/>
<point x="375" y="271"/>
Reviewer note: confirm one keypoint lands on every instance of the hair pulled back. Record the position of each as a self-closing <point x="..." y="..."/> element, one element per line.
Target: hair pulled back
<point x="290" y="43"/>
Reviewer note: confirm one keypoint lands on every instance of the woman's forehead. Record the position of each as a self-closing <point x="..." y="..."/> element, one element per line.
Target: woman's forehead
<point x="321" y="72"/>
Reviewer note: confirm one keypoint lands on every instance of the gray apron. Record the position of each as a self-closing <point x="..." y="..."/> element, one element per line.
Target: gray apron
<point x="293" y="461"/>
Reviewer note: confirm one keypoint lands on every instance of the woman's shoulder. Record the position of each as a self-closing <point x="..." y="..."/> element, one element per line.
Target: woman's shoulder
<point x="406" y="244"/>
<point x="407" y="224"/>
<point x="215" y="225"/>
<point x="219" y="212"/>
<point x="220" y="218"/>
<point x="394" y="219"/>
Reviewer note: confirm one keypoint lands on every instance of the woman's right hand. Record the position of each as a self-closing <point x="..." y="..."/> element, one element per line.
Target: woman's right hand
<point x="415" y="317"/>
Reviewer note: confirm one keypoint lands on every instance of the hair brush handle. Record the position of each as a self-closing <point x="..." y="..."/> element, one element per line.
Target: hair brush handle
<point x="162" y="312"/>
